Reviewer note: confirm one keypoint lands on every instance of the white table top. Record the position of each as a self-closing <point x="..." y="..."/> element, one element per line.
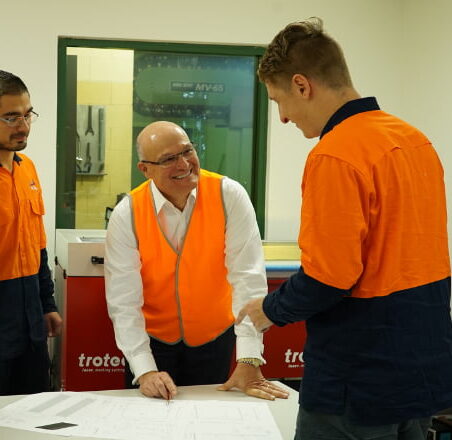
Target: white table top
<point x="284" y="410"/>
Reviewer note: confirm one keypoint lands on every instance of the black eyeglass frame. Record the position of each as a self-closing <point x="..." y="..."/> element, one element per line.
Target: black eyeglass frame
<point x="168" y="161"/>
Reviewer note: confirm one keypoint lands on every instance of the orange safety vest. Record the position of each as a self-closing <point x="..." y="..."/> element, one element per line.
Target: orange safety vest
<point x="22" y="233"/>
<point x="374" y="210"/>
<point x="186" y="294"/>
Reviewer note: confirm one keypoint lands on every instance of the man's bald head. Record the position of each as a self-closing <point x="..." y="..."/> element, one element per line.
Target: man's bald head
<point x="156" y="138"/>
<point x="167" y="156"/>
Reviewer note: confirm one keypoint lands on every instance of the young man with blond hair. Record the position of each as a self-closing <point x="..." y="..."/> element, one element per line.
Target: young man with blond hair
<point x="374" y="282"/>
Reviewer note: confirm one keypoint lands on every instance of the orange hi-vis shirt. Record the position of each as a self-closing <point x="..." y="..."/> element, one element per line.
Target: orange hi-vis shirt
<point x="186" y="294"/>
<point x="373" y="214"/>
<point x="22" y="234"/>
<point x="374" y="286"/>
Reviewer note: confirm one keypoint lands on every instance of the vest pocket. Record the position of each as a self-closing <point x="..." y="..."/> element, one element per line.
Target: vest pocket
<point x="35" y="219"/>
<point x="37" y="206"/>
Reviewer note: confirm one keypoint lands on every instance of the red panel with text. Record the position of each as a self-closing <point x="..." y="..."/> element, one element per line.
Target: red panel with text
<point x="284" y="346"/>
<point x="90" y="358"/>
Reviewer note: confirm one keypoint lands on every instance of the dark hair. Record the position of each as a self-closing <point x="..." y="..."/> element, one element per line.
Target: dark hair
<point x="304" y="48"/>
<point x="11" y="84"/>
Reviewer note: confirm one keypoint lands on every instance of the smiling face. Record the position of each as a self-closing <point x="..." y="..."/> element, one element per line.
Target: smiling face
<point x="159" y="141"/>
<point x="295" y="104"/>
<point x="14" y="138"/>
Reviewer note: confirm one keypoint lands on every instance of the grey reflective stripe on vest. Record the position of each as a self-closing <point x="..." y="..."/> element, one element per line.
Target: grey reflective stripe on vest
<point x="179" y="254"/>
<point x="176" y="281"/>
<point x="132" y="216"/>
<point x="222" y="202"/>
<point x="177" y="270"/>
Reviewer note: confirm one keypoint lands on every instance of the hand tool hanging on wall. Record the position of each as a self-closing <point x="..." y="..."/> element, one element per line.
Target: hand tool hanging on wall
<point x="78" y="154"/>
<point x="100" y="123"/>
<point x="89" y="129"/>
<point x="87" y="167"/>
<point x="100" y="134"/>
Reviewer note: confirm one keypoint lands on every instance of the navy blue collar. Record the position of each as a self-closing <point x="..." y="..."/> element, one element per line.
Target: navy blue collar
<point x="350" y="108"/>
<point x="16" y="158"/>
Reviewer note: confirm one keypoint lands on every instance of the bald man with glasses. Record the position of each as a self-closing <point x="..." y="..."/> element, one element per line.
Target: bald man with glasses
<point x="28" y="314"/>
<point x="183" y="254"/>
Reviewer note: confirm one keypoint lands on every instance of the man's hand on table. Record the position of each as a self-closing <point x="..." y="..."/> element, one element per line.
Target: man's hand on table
<point x="250" y="380"/>
<point x="157" y="384"/>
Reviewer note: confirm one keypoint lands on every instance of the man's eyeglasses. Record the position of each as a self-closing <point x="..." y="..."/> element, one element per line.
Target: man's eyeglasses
<point x="171" y="160"/>
<point x="14" y="121"/>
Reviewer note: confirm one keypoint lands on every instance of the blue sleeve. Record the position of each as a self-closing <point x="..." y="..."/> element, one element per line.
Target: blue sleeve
<point x="299" y="298"/>
<point x="46" y="288"/>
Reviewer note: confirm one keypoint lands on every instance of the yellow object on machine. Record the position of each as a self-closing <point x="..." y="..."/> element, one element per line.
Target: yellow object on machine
<point x="281" y="251"/>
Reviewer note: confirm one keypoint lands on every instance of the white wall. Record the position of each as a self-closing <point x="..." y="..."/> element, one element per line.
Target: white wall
<point x="426" y="71"/>
<point x="370" y="32"/>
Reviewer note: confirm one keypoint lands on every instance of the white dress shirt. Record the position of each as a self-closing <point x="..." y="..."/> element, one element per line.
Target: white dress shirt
<point x="124" y="289"/>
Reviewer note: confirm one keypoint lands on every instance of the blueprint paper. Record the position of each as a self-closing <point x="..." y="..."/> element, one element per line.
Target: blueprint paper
<point x="140" y="418"/>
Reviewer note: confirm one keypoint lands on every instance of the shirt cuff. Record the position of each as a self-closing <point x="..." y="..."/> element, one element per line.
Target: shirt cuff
<point x="141" y="364"/>
<point x="250" y="347"/>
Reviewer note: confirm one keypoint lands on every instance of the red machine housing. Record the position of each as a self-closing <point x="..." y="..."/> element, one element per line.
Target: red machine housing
<point x="86" y="357"/>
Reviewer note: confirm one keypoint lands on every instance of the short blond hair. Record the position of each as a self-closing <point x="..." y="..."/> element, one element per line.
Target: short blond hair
<point x="303" y="47"/>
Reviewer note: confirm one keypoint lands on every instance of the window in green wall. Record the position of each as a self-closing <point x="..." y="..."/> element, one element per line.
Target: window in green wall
<point x="211" y="91"/>
<point x="210" y="96"/>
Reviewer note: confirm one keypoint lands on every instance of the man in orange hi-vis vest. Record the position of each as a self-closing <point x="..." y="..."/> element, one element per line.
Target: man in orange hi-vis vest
<point x="28" y="314"/>
<point x="374" y="283"/>
<point x="183" y="254"/>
